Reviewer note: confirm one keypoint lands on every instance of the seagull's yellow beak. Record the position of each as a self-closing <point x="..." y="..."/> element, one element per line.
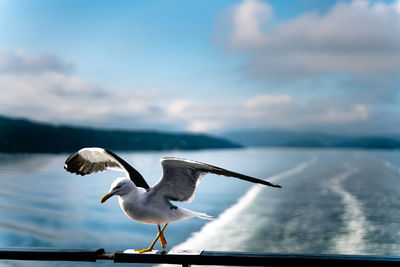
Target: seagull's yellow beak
<point x="105" y="197"/>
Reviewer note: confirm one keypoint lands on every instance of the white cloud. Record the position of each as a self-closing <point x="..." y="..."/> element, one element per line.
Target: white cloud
<point x="358" y="37"/>
<point x="358" y="112"/>
<point x="263" y="111"/>
<point x="205" y="125"/>
<point x="61" y="97"/>
<point x="354" y="46"/>
<point x="20" y="62"/>
<point x="66" y="98"/>
<point x="247" y="20"/>
<point x="267" y="100"/>
<point x="42" y="87"/>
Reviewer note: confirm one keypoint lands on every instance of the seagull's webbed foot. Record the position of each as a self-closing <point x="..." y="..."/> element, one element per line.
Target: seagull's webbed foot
<point x="144" y="250"/>
<point x="160" y="235"/>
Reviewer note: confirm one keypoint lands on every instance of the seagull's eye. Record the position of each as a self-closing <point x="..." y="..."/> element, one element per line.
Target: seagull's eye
<point x="117" y="187"/>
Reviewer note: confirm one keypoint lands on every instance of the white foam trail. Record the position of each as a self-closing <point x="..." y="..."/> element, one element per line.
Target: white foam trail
<point x="351" y="238"/>
<point x="208" y="235"/>
<point x="392" y="167"/>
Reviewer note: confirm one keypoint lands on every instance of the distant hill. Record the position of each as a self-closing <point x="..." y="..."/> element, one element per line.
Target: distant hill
<point x="20" y="135"/>
<point x="284" y="138"/>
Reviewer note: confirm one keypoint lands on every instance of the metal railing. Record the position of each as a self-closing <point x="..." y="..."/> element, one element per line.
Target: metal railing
<point x="185" y="258"/>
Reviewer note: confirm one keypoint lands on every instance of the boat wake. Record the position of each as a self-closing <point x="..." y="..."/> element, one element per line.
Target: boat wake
<point x="392" y="167"/>
<point x="350" y="239"/>
<point x="216" y="233"/>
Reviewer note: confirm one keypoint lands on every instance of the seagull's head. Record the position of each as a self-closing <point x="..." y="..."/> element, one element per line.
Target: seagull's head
<point x="119" y="187"/>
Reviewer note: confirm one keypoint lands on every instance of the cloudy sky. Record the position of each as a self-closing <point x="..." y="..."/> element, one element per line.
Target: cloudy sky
<point x="203" y="66"/>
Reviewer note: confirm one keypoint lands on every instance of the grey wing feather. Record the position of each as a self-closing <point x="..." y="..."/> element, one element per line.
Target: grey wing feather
<point x="91" y="160"/>
<point x="181" y="177"/>
<point x="94" y="159"/>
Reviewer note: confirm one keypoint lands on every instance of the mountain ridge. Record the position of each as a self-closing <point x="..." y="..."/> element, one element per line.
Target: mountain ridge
<point x="21" y="135"/>
<point x="287" y="138"/>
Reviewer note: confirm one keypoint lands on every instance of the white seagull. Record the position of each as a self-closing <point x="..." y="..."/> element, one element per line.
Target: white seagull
<point x="145" y="204"/>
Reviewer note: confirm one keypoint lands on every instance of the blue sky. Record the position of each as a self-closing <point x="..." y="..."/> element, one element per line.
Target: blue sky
<point x="204" y="66"/>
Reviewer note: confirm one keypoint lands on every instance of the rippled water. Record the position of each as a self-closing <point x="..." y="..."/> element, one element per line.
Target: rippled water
<point x="332" y="201"/>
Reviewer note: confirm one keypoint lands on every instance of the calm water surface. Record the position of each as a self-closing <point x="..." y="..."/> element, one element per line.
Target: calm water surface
<point x="332" y="201"/>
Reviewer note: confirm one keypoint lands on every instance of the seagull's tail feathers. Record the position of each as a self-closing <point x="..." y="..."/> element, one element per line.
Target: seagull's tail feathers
<point x="203" y="216"/>
<point x="186" y="214"/>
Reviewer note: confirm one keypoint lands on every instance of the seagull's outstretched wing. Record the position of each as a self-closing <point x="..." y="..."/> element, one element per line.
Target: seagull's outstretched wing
<point x="94" y="159"/>
<point x="181" y="177"/>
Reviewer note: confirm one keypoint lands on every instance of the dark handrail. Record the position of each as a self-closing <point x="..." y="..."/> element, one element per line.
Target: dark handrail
<point x="50" y="254"/>
<point x="201" y="258"/>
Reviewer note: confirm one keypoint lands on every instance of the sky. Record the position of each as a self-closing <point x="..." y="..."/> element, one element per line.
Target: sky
<point x="203" y="66"/>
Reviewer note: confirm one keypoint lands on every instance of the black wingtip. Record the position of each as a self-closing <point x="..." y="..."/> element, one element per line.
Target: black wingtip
<point x="271" y="184"/>
<point x="73" y="164"/>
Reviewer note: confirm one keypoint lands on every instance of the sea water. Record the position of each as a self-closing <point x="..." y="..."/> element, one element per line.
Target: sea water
<point x="332" y="201"/>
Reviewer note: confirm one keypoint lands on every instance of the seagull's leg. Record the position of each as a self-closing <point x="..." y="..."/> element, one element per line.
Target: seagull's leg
<point x="162" y="240"/>
<point x="161" y="234"/>
<point x="151" y="246"/>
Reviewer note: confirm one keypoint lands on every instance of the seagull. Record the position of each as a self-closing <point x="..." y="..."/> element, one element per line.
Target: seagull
<point x="151" y="205"/>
